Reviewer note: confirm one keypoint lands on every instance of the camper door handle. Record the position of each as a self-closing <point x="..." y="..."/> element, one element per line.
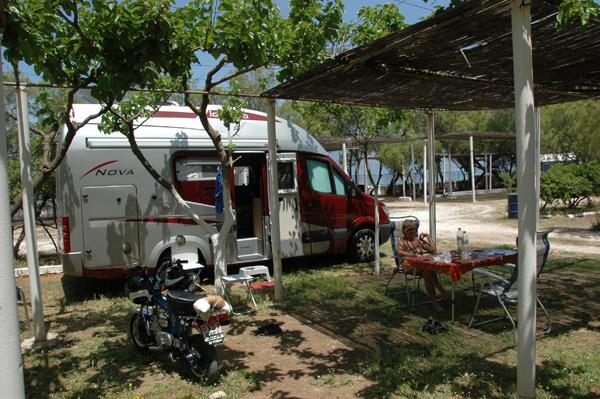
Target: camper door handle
<point x="84" y="196"/>
<point x="88" y="251"/>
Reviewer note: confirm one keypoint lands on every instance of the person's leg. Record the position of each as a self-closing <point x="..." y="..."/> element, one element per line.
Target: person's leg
<point x="438" y="285"/>
<point x="428" y="276"/>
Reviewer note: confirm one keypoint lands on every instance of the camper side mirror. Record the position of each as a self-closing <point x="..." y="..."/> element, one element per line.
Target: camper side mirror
<point x="351" y="189"/>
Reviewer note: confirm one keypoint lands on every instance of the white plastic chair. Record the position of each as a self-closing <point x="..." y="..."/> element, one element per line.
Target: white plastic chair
<point x="505" y="290"/>
<point x="396" y="234"/>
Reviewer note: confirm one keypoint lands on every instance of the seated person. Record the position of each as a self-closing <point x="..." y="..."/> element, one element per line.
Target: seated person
<point x="411" y="245"/>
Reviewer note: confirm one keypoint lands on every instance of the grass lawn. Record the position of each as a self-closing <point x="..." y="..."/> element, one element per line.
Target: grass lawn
<point x="384" y="343"/>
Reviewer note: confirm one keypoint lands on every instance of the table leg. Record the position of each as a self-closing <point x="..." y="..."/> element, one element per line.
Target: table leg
<point x="414" y="290"/>
<point x="452" y="300"/>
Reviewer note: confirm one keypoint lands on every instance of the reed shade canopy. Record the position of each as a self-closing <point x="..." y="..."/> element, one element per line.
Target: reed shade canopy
<point x="460" y="59"/>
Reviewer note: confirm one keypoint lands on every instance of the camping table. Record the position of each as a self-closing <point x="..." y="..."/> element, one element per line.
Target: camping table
<point x="458" y="266"/>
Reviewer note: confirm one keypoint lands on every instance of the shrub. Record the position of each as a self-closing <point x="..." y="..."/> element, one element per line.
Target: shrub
<point x="508" y="181"/>
<point x="569" y="183"/>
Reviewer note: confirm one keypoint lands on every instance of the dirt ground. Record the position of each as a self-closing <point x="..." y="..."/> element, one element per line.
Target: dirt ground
<point x="318" y="356"/>
<point x="487" y="224"/>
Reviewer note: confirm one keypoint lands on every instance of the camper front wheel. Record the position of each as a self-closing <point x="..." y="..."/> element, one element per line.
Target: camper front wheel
<point x="362" y="246"/>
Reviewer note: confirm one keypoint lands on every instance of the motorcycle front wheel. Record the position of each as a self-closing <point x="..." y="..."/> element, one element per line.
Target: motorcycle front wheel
<point x="204" y="364"/>
<point x="138" y="334"/>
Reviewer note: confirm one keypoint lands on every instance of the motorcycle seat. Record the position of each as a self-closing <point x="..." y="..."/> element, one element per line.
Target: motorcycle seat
<point x="182" y="301"/>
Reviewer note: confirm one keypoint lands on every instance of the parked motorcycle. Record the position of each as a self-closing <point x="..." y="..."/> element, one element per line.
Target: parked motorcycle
<point x="186" y="325"/>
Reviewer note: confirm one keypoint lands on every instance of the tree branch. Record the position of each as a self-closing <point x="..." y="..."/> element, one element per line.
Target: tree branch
<point x="208" y="82"/>
<point x="162" y="181"/>
<point x="233" y="75"/>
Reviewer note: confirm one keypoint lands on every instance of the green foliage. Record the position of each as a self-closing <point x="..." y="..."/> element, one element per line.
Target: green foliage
<point x="570" y="183"/>
<point x="572" y="128"/>
<point x="231" y="111"/>
<point x="375" y="22"/>
<point x="581" y="11"/>
<point x="115" y="45"/>
<point x="508" y="181"/>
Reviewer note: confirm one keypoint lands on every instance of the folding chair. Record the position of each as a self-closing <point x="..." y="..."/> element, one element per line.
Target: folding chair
<point x="504" y="291"/>
<point x="396" y="234"/>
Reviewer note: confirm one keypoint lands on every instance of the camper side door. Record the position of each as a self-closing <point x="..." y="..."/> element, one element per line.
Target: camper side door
<point x="326" y="207"/>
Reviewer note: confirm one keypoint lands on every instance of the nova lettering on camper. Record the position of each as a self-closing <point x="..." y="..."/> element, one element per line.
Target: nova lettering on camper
<point x="101" y="171"/>
<point x="113" y="172"/>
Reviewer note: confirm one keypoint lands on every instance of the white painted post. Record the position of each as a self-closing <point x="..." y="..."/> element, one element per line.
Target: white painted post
<point x="425" y="175"/>
<point x="274" y="202"/>
<point x="365" y="171"/>
<point x="491" y="175"/>
<point x="538" y="165"/>
<point x="412" y="171"/>
<point x="431" y="143"/>
<point x="11" y="363"/>
<point x="345" y="157"/>
<point x="403" y="180"/>
<point x="526" y="188"/>
<point x="450" y="168"/>
<point x="376" y="265"/>
<point x="472" y="168"/>
<point x="485" y="174"/>
<point x="29" y="216"/>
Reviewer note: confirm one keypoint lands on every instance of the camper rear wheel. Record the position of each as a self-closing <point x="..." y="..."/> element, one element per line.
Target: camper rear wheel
<point x="362" y="245"/>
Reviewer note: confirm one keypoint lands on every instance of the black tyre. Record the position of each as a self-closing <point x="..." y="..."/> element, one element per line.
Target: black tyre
<point x="362" y="246"/>
<point x="205" y="363"/>
<point x="137" y="331"/>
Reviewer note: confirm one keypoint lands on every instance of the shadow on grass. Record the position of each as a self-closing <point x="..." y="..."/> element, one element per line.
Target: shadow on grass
<point x="78" y="289"/>
<point x="388" y="347"/>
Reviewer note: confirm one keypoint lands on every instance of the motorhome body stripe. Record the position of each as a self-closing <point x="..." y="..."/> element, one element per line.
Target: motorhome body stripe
<point x="168" y="220"/>
<point x="213" y="114"/>
<point x="97" y="167"/>
<point x="174" y="114"/>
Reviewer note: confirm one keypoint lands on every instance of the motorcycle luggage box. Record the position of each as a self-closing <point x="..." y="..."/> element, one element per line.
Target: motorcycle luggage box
<point x="182" y="302"/>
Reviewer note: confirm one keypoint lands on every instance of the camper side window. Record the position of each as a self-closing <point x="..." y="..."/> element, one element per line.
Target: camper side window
<point x="190" y="169"/>
<point x="340" y="183"/>
<point x="285" y="170"/>
<point x="318" y="174"/>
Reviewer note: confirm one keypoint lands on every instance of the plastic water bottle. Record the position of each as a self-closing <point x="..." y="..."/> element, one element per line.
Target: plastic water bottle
<point x="465" y="239"/>
<point x="459" y="239"/>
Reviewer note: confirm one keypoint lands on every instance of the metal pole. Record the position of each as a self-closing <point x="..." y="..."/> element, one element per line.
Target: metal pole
<point x="345" y="157"/>
<point x="11" y="363"/>
<point x="376" y="266"/>
<point x="450" y="167"/>
<point x="274" y="202"/>
<point x="485" y="174"/>
<point x="412" y="169"/>
<point x="425" y="175"/>
<point x="528" y="202"/>
<point x="538" y="165"/>
<point x="365" y="170"/>
<point x="431" y="140"/>
<point x="29" y="216"/>
<point x="472" y="168"/>
<point x="491" y="175"/>
<point x="403" y="180"/>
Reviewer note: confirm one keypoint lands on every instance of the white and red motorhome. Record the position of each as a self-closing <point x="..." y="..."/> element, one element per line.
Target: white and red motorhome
<point x="106" y="197"/>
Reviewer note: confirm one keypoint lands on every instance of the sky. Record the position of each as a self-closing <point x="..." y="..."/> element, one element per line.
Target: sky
<point x="413" y="11"/>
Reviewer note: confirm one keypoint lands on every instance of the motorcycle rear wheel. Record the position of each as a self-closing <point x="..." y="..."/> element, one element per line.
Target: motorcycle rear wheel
<point x="206" y="367"/>
<point x="137" y="333"/>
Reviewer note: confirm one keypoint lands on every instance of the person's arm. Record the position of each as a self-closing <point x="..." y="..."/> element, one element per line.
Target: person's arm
<point x="427" y="243"/>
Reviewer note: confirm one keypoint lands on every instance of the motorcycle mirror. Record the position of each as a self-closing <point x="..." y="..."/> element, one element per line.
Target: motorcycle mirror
<point x="180" y="241"/>
<point x="126" y="248"/>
